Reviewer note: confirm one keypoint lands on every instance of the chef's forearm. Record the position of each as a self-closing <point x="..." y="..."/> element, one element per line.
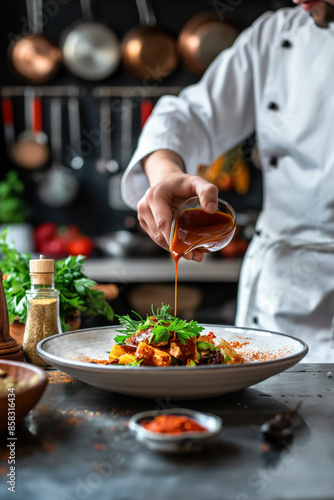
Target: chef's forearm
<point x="160" y="164"/>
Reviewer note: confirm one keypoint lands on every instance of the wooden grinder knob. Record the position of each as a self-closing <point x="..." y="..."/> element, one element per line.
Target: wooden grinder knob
<point x="42" y="271"/>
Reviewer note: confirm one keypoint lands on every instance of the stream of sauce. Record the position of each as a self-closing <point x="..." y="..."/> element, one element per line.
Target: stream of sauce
<point x="195" y="228"/>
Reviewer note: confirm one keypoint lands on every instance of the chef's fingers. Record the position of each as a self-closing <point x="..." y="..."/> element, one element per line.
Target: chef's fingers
<point x="162" y="215"/>
<point x="207" y="193"/>
<point x="196" y="255"/>
<point x="152" y="218"/>
<point x="187" y="186"/>
<point x="155" y="209"/>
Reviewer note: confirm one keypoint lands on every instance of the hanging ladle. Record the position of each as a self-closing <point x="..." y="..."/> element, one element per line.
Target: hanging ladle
<point x="106" y="163"/>
<point x="58" y="186"/>
<point x="76" y="160"/>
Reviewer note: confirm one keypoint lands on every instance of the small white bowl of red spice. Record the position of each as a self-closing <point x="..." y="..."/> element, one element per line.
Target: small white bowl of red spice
<point x="176" y="430"/>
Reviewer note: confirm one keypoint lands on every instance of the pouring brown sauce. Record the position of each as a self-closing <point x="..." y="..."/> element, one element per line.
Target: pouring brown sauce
<point x="195" y="228"/>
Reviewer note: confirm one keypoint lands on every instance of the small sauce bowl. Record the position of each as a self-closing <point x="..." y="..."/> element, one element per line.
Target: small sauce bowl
<point x="176" y="443"/>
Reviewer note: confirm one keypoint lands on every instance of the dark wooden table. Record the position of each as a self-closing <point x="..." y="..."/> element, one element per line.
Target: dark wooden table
<point x="75" y="445"/>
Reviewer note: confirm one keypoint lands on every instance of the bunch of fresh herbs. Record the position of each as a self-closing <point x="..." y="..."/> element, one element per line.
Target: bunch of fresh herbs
<point x="75" y="289"/>
<point x="162" y="324"/>
<point x="13" y="208"/>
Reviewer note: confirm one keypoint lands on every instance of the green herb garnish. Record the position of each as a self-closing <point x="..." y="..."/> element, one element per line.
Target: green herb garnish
<point x="162" y="324"/>
<point x="129" y="327"/>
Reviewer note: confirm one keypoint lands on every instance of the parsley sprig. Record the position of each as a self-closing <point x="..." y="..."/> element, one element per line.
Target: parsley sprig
<point x="163" y="325"/>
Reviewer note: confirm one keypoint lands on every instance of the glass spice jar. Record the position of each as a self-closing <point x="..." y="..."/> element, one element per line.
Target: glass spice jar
<point x="42" y="308"/>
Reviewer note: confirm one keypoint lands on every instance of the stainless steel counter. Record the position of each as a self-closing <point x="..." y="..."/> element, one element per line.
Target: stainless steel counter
<point x="147" y="270"/>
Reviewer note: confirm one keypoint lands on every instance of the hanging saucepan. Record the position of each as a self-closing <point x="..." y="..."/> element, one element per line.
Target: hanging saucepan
<point x="90" y="49"/>
<point x="148" y="51"/>
<point x="31" y="149"/>
<point x="34" y="57"/>
<point x="202" y="38"/>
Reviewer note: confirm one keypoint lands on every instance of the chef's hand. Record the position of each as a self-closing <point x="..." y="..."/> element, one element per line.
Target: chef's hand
<point x="170" y="186"/>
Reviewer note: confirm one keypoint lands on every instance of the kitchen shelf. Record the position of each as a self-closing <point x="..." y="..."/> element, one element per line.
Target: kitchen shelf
<point x="44" y="91"/>
<point x="162" y="270"/>
<point x="143" y="91"/>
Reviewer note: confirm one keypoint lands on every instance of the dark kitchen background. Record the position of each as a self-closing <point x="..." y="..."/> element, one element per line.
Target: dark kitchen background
<point x="96" y="207"/>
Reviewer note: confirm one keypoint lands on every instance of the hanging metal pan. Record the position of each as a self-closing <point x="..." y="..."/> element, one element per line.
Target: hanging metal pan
<point x="202" y="38"/>
<point x="90" y="50"/>
<point x="148" y="51"/>
<point x="33" y="57"/>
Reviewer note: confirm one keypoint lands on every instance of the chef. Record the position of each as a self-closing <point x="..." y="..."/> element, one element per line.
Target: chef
<point x="277" y="79"/>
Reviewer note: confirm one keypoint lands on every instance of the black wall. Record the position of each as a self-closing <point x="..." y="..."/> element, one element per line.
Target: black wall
<point x="91" y="210"/>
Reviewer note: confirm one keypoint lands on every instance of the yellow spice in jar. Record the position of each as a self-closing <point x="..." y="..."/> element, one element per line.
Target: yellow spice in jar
<point x="42" y="322"/>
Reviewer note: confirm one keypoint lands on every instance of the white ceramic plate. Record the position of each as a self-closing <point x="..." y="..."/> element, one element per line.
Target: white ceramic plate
<point x="67" y="351"/>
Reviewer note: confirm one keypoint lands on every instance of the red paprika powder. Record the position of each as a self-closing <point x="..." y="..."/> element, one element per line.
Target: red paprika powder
<point x="172" y="424"/>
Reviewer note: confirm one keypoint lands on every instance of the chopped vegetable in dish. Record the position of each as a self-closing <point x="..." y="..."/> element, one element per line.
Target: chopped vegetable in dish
<point x="164" y="340"/>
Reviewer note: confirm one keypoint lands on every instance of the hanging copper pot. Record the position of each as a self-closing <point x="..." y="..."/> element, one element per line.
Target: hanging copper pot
<point x="148" y="51"/>
<point x="33" y="57"/>
<point x="202" y="38"/>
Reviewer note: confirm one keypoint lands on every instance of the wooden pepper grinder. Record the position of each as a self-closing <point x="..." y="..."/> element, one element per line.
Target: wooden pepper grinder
<point x="9" y="348"/>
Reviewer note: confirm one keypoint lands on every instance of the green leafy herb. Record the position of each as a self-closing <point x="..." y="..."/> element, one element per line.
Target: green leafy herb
<point x="162" y="325"/>
<point x="75" y="289"/>
<point x="13" y="208"/>
<point x="129" y="327"/>
<point x="191" y="363"/>
<point x="203" y="346"/>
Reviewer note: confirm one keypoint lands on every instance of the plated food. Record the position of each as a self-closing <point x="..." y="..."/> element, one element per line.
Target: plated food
<point x="266" y="353"/>
<point x="164" y="340"/>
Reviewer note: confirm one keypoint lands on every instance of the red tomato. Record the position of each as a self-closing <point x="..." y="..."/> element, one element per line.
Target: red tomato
<point x="55" y="247"/>
<point x="44" y="232"/>
<point x="82" y="245"/>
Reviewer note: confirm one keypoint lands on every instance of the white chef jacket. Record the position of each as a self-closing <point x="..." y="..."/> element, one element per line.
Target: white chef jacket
<point x="277" y="79"/>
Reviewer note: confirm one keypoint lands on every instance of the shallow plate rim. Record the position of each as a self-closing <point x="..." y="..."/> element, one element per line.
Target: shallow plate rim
<point x="177" y="369"/>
